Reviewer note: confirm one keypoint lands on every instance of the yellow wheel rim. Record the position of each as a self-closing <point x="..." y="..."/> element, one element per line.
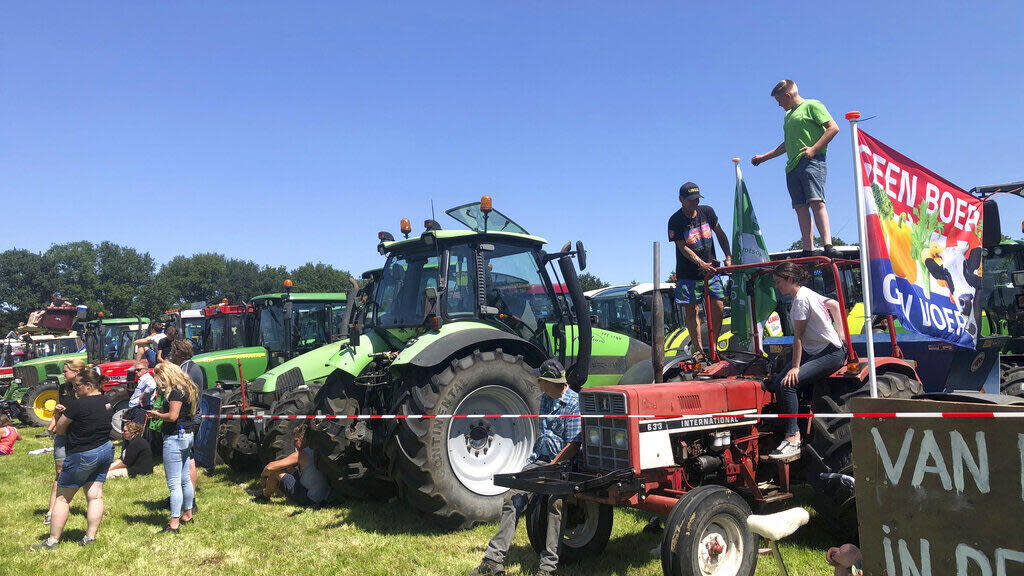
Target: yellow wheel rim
<point x="44" y="404"/>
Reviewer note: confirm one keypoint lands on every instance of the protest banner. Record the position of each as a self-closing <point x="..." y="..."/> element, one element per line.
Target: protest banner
<point x="939" y="496"/>
<point x="924" y="243"/>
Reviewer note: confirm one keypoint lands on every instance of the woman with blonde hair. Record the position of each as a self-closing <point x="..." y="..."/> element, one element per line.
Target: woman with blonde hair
<point x="182" y="398"/>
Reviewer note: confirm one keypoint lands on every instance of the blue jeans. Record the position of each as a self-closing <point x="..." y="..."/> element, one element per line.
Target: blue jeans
<point x="177" y="454"/>
<point x="82" y="468"/>
<point x="813" y="367"/>
<point x="806" y="182"/>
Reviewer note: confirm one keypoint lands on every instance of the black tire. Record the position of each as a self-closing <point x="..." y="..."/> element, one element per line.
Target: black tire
<point x="236" y="439"/>
<point x="586" y="528"/>
<point x="1013" y="383"/>
<point x="830" y="450"/>
<point x="695" y="520"/>
<point x="422" y="466"/>
<point x="278" y="440"/>
<point x="29" y="415"/>
<point x="118" y="398"/>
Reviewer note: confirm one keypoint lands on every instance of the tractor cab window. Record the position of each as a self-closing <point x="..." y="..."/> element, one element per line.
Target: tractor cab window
<point x="460" y="297"/>
<point x="516" y="287"/>
<point x="102" y="343"/>
<point x="309" y="326"/>
<point x="337" y="312"/>
<point x="193" y="329"/>
<point x="226" y="331"/>
<point x="272" y="327"/>
<point x="400" y="299"/>
<point x="124" y="345"/>
<point x="614" y="310"/>
<point x="667" y="305"/>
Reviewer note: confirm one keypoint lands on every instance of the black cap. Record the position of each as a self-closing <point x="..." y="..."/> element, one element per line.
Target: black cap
<point x="689" y="191"/>
<point x="552" y="371"/>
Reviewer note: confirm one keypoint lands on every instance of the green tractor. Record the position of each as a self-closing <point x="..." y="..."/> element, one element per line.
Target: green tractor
<point x="458" y="320"/>
<point x="289" y="335"/>
<point x="33" y="404"/>
<point x="627" y="310"/>
<point x="39" y="383"/>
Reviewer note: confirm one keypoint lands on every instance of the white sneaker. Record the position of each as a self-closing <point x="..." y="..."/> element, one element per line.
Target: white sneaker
<point x="785" y="451"/>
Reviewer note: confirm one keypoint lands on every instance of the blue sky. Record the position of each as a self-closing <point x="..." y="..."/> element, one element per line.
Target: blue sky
<point x="292" y="132"/>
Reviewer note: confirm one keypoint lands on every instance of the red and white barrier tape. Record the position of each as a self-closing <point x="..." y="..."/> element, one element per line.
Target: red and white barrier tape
<point x="262" y="416"/>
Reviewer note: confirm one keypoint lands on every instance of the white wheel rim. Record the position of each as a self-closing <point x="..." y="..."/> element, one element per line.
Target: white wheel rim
<point x="720" y="547"/>
<point x="479" y="448"/>
<point x="117" y="421"/>
<point x="580" y="534"/>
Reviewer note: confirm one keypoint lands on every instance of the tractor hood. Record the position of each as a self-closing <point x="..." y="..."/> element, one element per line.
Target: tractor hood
<point x="351" y="360"/>
<point x="314" y="366"/>
<point x="58" y="358"/>
<point x="116" y="369"/>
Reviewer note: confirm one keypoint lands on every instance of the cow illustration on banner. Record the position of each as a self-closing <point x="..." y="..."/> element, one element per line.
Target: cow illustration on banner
<point x="924" y="240"/>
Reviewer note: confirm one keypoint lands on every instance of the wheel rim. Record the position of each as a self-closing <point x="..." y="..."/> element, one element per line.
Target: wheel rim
<point x="479" y="448"/>
<point x="44" y="404"/>
<point x="117" y="420"/>
<point x="581" y="524"/>
<point x="720" y="547"/>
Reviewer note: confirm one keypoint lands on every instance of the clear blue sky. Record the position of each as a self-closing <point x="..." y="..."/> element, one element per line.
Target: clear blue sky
<point x="293" y="132"/>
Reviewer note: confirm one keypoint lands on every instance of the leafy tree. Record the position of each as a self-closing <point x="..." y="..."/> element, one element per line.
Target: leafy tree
<point x="320" y="277"/>
<point x="590" y="281"/>
<point x="121" y="272"/>
<point x="836" y="241"/>
<point x="26" y="286"/>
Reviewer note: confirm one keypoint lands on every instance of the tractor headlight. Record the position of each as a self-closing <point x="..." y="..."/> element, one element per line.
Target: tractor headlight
<point x="619" y="438"/>
<point x="594" y="436"/>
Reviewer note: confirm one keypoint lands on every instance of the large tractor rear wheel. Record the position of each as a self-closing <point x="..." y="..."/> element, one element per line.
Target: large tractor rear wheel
<point x="586" y="527"/>
<point x="39" y="402"/>
<point x="1011" y="381"/>
<point x="445" y="467"/>
<point x="236" y="439"/>
<point x="831" y="450"/>
<point x="278" y="442"/>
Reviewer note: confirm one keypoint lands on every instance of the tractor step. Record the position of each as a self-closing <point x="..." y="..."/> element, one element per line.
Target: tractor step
<point x="777" y="496"/>
<point x="787" y="460"/>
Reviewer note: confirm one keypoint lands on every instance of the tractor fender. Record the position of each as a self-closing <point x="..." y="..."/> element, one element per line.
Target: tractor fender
<point x="889" y="364"/>
<point x="439" y="350"/>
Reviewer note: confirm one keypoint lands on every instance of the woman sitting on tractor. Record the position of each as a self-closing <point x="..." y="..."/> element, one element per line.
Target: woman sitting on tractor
<point x="817" y="348"/>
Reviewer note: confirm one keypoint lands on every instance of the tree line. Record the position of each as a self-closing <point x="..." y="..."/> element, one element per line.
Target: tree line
<point x="121" y="281"/>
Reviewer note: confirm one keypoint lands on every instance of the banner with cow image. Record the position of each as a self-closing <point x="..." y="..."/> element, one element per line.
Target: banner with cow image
<point x="924" y="237"/>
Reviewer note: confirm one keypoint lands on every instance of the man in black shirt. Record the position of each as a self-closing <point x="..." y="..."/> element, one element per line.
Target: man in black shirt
<point x="690" y="229"/>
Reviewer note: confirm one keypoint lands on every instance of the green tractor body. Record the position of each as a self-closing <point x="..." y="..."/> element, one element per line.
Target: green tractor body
<point x="457" y="322"/>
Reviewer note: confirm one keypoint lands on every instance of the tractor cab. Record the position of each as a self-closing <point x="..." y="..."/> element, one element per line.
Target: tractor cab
<point x="627" y="309"/>
<point x="291" y="324"/>
<point x="225" y="326"/>
<point x="110" y="339"/>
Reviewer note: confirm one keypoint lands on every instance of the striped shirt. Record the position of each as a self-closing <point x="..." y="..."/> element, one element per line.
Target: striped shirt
<point x="556" y="433"/>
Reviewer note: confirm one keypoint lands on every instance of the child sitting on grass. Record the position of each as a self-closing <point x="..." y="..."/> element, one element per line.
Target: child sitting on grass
<point x="8" y="435"/>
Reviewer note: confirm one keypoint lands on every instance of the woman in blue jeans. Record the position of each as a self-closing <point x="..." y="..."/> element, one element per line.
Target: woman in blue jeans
<point x="181" y="397"/>
<point x="818" y="348"/>
<point x="86" y="422"/>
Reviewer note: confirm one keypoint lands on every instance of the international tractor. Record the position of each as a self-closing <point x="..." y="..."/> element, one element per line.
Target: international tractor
<point x="457" y="321"/>
<point x="693" y="450"/>
<point x="627" y="310"/>
<point x="287" y="339"/>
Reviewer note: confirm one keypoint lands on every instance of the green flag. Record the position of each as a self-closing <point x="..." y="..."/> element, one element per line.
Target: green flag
<point x="748" y="247"/>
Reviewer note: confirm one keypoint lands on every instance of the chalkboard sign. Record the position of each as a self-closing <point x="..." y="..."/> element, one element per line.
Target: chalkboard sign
<point x="206" y="440"/>
<point x="939" y="496"/>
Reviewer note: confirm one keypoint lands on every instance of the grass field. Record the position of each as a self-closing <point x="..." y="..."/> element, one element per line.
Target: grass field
<point x="231" y="535"/>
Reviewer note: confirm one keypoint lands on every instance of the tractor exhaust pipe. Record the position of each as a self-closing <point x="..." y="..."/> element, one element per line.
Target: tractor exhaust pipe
<point x="350" y="303"/>
<point x="657" y="321"/>
<point x="580" y="369"/>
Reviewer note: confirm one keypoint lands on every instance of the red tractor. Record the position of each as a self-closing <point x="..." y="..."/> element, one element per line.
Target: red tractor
<point x="693" y="450"/>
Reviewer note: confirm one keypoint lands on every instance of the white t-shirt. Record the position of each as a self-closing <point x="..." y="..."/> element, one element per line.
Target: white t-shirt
<point x="820" y="332"/>
<point x="146" y="387"/>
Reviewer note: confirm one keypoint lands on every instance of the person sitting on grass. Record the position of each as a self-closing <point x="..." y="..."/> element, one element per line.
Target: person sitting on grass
<point x="8" y="435"/>
<point x="296" y="475"/>
<point x="136" y="455"/>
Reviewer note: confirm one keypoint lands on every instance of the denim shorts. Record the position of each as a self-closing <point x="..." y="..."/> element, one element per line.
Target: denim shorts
<point x="82" y="468"/>
<point x="60" y="450"/>
<point x="294" y="490"/>
<point x="806" y="182"/>
<point x="688" y="291"/>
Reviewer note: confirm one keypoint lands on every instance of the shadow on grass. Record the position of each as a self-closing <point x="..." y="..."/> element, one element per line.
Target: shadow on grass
<point x="392" y="517"/>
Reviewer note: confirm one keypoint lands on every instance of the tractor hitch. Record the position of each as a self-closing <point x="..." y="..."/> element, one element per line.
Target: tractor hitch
<point x="560" y="479"/>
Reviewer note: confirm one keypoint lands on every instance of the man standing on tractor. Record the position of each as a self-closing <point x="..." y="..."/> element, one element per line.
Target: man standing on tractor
<point x="690" y="230"/>
<point x="558" y="441"/>
<point x="807" y="130"/>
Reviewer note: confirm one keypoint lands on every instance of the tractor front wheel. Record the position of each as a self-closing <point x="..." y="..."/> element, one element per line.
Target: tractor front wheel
<point x="586" y="527"/>
<point x="706" y="533"/>
<point x="278" y="442"/>
<point x="39" y="402"/>
<point x="118" y="398"/>
<point x="445" y="467"/>
<point x="236" y="439"/>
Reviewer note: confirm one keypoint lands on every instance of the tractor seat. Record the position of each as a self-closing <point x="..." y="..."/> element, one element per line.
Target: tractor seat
<point x="779" y="525"/>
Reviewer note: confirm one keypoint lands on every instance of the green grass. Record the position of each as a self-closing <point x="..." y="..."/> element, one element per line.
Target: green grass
<point x="231" y="535"/>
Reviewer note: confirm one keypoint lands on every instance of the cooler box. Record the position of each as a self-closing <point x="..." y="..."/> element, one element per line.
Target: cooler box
<point x="59" y="319"/>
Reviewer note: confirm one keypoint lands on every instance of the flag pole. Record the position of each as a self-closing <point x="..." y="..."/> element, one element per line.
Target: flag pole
<point x="865" y="269"/>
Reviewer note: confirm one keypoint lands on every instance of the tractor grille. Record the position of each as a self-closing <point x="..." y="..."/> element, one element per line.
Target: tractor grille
<point x="286" y="382"/>
<point x="606" y="440"/>
<point x="28" y="374"/>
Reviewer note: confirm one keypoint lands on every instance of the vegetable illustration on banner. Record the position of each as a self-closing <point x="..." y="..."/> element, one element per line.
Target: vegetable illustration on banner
<point x="924" y="237"/>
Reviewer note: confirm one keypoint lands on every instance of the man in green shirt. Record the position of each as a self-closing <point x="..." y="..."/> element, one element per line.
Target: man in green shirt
<point x="807" y="130"/>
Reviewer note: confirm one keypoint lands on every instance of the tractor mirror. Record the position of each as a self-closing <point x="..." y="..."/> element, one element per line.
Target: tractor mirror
<point x="353" y="335"/>
<point x="991" y="232"/>
<point x="595" y="320"/>
<point x="581" y="255"/>
<point x="1018" y="278"/>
